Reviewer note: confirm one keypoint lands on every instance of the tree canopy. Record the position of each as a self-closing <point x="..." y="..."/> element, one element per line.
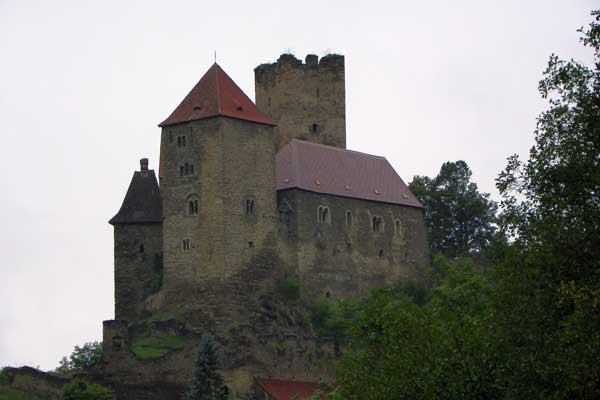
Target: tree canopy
<point x="460" y="220"/>
<point x="531" y="328"/>
<point x="82" y="358"/>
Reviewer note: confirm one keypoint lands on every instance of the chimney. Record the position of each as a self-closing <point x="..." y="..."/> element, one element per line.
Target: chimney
<point x="144" y="166"/>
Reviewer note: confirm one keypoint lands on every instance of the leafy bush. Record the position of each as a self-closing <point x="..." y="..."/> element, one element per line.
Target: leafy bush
<point x="291" y="288"/>
<point x="80" y="390"/>
<point x="5" y="378"/>
<point x="82" y="357"/>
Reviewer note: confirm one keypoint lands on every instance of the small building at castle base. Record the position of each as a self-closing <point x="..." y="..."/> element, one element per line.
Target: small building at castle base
<point x="257" y="215"/>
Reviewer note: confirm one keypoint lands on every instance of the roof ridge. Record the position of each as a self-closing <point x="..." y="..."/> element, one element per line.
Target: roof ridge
<point x="217" y="67"/>
<point x="326" y="146"/>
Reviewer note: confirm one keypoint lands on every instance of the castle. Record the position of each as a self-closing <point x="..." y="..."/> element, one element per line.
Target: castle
<point x="247" y="197"/>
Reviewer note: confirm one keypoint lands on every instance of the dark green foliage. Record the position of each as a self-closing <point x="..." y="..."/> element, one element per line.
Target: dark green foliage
<point x="156" y="346"/>
<point x="531" y="329"/>
<point x="5" y="377"/>
<point x="460" y="220"/>
<point x="329" y="320"/>
<point x="7" y="393"/>
<point x="290" y="288"/>
<point x="400" y="350"/>
<point x="81" y="358"/>
<point x="157" y="274"/>
<point x="207" y="383"/>
<point x="549" y="297"/>
<point x="81" y="390"/>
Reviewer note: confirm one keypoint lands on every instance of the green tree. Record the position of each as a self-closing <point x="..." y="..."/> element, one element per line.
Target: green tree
<point x="82" y="358"/>
<point x="207" y="383"/>
<point x="460" y="220"/>
<point x="81" y="390"/>
<point x="400" y="350"/>
<point x="549" y="281"/>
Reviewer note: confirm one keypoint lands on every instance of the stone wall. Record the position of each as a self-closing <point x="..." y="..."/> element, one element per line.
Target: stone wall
<point x="260" y="332"/>
<point x="340" y="260"/>
<point x="233" y="161"/>
<point x="138" y="264"/>
<point x="305" y="100"/>
<point x="35" y="383"/>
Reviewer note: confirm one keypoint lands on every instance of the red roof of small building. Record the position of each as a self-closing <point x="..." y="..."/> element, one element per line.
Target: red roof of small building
<point x="288" y="390"/>
<point x="331" y="170"/>
<point x="216" y="94"/>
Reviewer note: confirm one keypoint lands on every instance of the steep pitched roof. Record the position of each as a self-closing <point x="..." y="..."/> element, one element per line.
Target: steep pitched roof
<point x="288" y="390"/>
<point x="142" y="203"/>
<point x="331" y="170"/>
<point x="216" y="94"/>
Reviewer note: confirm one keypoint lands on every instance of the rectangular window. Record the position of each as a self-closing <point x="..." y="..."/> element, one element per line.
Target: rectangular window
<point x="185" y="245"/>
<point x="348" y="217"/>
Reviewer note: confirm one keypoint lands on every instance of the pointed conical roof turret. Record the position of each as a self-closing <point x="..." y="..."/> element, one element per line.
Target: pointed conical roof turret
<point x="142" y="203"/>
<point x="216" y="94"/>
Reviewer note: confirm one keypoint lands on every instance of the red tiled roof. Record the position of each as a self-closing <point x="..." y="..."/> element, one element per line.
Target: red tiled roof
<point x="216" y="94"/>
<point x="331" y="170"/>
<point x="288" y="390"/>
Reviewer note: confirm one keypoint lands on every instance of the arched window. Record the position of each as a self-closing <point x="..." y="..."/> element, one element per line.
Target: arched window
<point x="397" y="227"/>
<point x="377" y="224"/>
<point x="192" y="206"/>
<point x="186" y="169"/>
<point x="348" y="217"/>
<point x="323" y="215"/>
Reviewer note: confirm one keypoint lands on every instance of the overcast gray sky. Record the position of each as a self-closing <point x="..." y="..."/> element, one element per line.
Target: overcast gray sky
<point x="83" y="85"/>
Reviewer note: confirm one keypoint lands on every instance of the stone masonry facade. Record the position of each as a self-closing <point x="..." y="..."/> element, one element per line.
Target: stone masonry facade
<point x="205" y="246"/>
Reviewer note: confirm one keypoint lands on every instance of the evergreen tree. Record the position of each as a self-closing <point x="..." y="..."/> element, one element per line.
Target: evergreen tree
<point x="207" y="383"/>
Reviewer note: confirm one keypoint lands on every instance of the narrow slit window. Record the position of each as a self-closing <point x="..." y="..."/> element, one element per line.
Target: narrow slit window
<point x="185" y="245"/>
<point x="348" y="217"/>
<point x="141" y="248"/>
<point x="249" y="207"/>
<point x="193" y="207"/>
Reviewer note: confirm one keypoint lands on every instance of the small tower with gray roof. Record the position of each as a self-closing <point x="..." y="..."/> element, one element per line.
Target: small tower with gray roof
<point x="138" y="244"/>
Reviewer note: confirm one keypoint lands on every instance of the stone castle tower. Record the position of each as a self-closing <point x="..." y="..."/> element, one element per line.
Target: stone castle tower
<point x="307" y="101"/>
<point x="247" y="197"/>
